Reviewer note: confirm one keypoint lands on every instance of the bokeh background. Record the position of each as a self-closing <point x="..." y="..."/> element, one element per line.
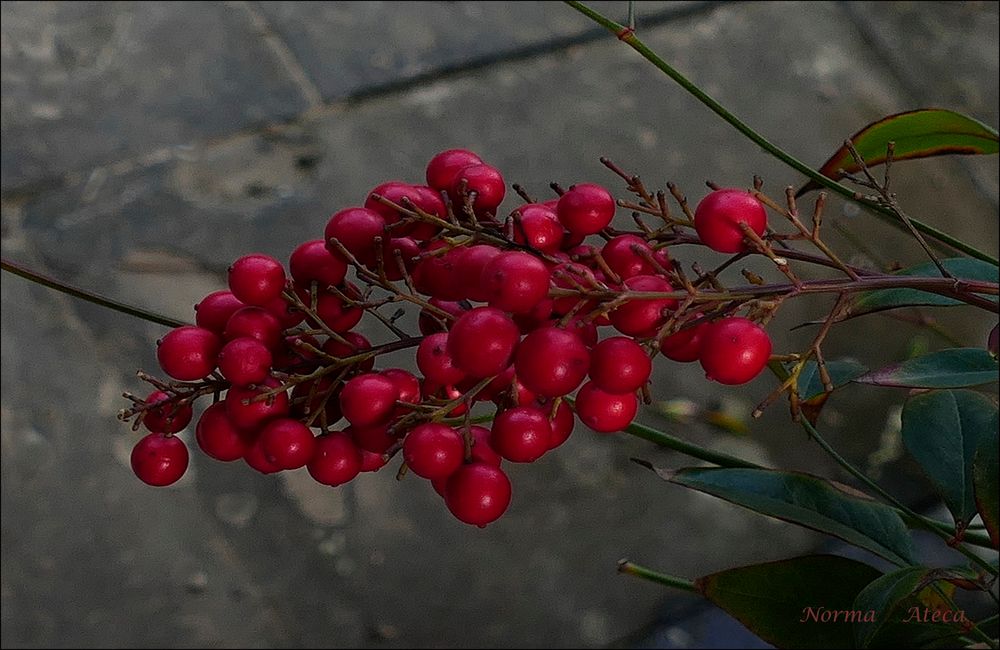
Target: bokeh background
<point x="146" y="145"/>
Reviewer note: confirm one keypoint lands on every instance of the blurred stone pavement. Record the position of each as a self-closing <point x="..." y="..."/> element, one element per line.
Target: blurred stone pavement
<point x="146" y="145"/>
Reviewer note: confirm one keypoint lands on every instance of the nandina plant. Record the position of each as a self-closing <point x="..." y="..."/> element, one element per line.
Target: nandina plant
<point x="542" y="313"/>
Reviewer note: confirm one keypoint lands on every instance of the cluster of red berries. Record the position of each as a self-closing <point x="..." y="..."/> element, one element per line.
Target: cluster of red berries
<point x="509" y="314"/>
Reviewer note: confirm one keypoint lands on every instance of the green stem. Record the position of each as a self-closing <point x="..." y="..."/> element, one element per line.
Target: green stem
<point x="89" y="296"/>
<point x="689" y="449"/>
<point x="628" y="36"/>
<point x="631" y="569"/>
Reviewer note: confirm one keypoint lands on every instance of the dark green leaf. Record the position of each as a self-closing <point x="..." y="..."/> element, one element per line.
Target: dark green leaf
<point x="841" y="372"/>
<point x="808" y="501"/>
<point x="954" y="368"/>
<point x="942" y="430"/>
<point x="791" y="603"/>
<point x="986" y="484"/>
<point x="917" y="134"/>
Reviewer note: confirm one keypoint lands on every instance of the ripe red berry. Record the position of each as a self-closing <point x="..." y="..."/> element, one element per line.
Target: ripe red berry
<point x="368" y="399"/>
<point x="312" y="262"/>
<point x="356" y="229"/>
<point x="619" y="365"/>
<point x="562" y="424"/>
<point x="337" y="314"/>
<point x="288" y="315"/>
<point x="605" y="412"/>
<point x="310" y="396"/>
<point x="482" y="342"/>
<point x="169" y="418"/>
<point x="538" y="227"/>
<point x="477" y="494"/>
<point x="394" y="191"/>
<point x="431" y="322"/>
<point x="621" y="254"/>
<point x="488" y="184"/>
<point x="719" y="214"/>
<point x="642" y="317"/>
<point x="256" y="279"/>
<point x="734" y="350"/>
<point x="586" y="209"/>
<point x="685" y="344"/>
<point x="159" y="459"/>
<point x="375" y="438"/>
<point x="443" y="167"/>
<point x="552" y="361"/>
<point x="214" y="310"/>
<point x="336" y="460"/>
<point x="408" y="249"/>
<point x="407" y="387"/>
<point x="370" y="461"/>
<point x="515" y="281"/>
<point x="433" y="450"/>
<point x="436" y="363"/>
<point x="218" y="437"/>
<point x="469" y="270"/>
<point x="355" y="344"/>
<point x="436" y="272"/>
<point x="188" y="353"/>
<point x="482" y="452"/>
<point x="257" y="459"/>
<point x="521" y="434"/>
<point x="250" y="415"/>
<point x="244" y="361"/>
<point x="572" y="275"/>
<point x="255" y="323"/>
<point x="287" y="443"/>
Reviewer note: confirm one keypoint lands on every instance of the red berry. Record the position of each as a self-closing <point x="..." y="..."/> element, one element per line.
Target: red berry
<point x="407" y="387"/>
<point x="562" y="424"/>
<point x="310" y="396"/>
<point x="719" y="214"/>
<point x="252" y="414"/>
<point x="337" y="314"/>
<point x="218" y="437"/>
<point x="482" y="452"/>
<point x="368" y="399"/>
<point x="572" y="275"/>
<point x="734" y="350"/>
<point x="521" y="434"/>
<point x="443" y="167"/>
<point x="621" y="256"/>
<point x="312" y="262"/>
<point x="159" y="459"/>
<point x="436" y="363"/>
<point x="486" y="181"/>
<point x="408" y="249"/>
<point x="605" y="412"/>
<point x="287" y="443"/>
<point x="394" y="191"/>
<point x="214" y="310"/>
<point x="370" y="461"/>
<point x="433" y="450"/>
<point x="188" y="353"/>
<point x="539" y="228"/>
<point x="619" y="365"/>
<point x="256" y="323"/>
<point x="256" y="279"/>
<point x="356" y="229"/>
<point x="585" y="330"/>
<point x="586" y="209"/>
<point x="245" y="361"/>
<point x="257" y="459"/>
<point x="436" y="272"/>
<point x="431" y="322"/>
<point x="478" y="494"/>
<point x="552" y="361"/>
<point x="375" y="438"/>
<point x="482" y="342"/>
<point x="169" y="418"/>
<point x="288" y="315"/>
<point x="642" y="317"/>
<point x="356" y="344"/>
<point x="469" y="270"/>
<point x="336" y="460"/>
<point x="685" y="345"/>
<point x="515" y="281"/>
<point x="539" y="315"/>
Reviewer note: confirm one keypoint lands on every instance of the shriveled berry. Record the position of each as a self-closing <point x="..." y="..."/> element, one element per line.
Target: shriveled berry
<point x="487" y="182"/>
<point x="252" y="414"/>
<point x="159" y="459"/>
<point x="719" y="215"/>
<point x="482" y="342"/>
<point x="443" y="167"/>
<point x="478" y="494"/>
<point x="641" y="317"/>
<point x="311" y="261"/>
<point x="586" y="209"/>
<point x="245" y="361"/>
<point x="685" y="344"/>
<point x="188" y="353"/>
<point x="605" y="412"/>
<point x="256" y="323"/>
<point x="619" y="365"/>
<point x="734" y="350"/>
<point x="256" y="279"/>
<point x="433" y="450"/>
<point x="356" y="229"/>
<point x="355" y="344"/>
<point x="218" y="437"/>
<point x="287" y="443"/>
<point x="214" y="310"/>
<point x="169" y="418"/>
<point x="336" y="460"/>
<point x="515" y="281"/>
<point x="552" y="361"/>
<point x="436" y="363"/>
<point x="622" y="253"/>
<point x="368" y="399"/>
<point x="521" y="434"/>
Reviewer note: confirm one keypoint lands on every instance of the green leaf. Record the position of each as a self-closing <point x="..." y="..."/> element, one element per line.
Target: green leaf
<point x="954" y="368"/>
<point x="790" y="603"/>
<point x="942" y="431"/>
<point x="985" y="481"/>
<point x="808" y="501"/>
<point x="918" y="134"/>
<point x="842" y="372"/>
